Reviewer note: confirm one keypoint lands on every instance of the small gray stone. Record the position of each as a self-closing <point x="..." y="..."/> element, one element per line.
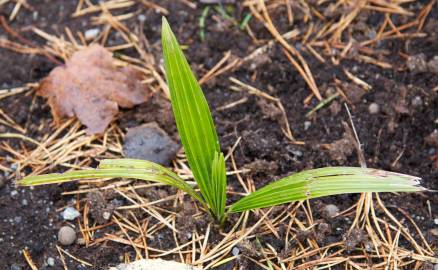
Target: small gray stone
<point x="235" y="251"/>
<point x="50" y="261"/>
<point x="70" y="213"/>
<point x="307" y="125"/>
<point x="331" y="210"/>
<point x="66" y="236"/>
<point x="141" y="17"/>
<point x="435" y="221"/>
<point x="417" y="101"/>
<point x="150" y="142"/>
<point x="373" y="108"/>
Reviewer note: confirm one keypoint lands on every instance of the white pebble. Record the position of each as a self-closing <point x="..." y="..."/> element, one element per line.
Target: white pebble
<point x="92" y="33"/>
<point x="70" y="213"/>
<point x="235" y="251"/>
<point x="307" y="125"/>
<point x="50" y="261"/>
<point x="435" y="221"/>
<point x="141" y="18"/>
<point x="374" y="108"/>
<point x="106" y="215"/>
<point x="417" y="101"/>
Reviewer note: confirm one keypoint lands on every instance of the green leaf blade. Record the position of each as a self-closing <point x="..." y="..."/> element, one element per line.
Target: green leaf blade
<point x="192" y="116"/>
<point x="324" y="182"/>
<point x="219" y="183"/>
<point x="117" y="168"/>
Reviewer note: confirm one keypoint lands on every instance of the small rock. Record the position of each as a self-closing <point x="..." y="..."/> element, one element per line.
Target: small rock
<point x="154" y="264"/>
<point x="150" y="142"/>
<point x="417" y="63"/>
<point x="141" y="17"/>
<point x="374" y="108"/>
<point x="435" y="221"/>
<point x="24" y="202"/>
<point x="435" y="267"/>
<point x="330" y="210"/>
<point x="14" y="193"/>
<point x="106" y="215"/>
<point x="66" y="236"/>
<point x="92" y="33"/>
<point x="307" y="125"/>
<point x="18" y="219"/>
<point x="434" y="232"/>
<point x="432" y="65"/>
<point x="417" y="101"/>
<point x="235" y="251"/>
<point x="50" y="261"/>
<point x="70" y="213"/>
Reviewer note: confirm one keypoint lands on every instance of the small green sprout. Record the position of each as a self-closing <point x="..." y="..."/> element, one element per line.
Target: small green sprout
<point x="201" y="144"/>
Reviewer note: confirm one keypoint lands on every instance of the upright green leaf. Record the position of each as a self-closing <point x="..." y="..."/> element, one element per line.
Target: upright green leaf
<point x="326" y="181"/>
<point x="192" y="115"/>
<point x="219" y="184"/>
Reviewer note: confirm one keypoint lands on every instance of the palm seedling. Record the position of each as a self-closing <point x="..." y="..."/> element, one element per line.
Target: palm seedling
<point x="200" y="141"/>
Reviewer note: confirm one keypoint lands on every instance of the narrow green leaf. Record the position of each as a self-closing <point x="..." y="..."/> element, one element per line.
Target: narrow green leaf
<point x="118" y="168"/>
<point x="324" y="182"/>
<point x="192" y="116"/>
<point x="219" y="183"/>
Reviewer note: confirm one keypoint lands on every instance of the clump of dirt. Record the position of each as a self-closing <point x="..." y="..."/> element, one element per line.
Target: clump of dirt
<point x="189" y="220"/>
<point x="355" y="238"/>
<point x="100" y="209"/>
<point x="341" y="149"/>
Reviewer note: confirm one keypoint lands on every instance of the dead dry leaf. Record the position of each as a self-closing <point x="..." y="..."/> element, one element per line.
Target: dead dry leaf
<point x="90" y="87"/>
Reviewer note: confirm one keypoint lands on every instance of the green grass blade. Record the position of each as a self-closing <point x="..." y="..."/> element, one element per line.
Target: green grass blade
<point x="192" y="116"/>
<point x="219" y="183"/>
<point x="324" y="182"/>
<point x="117" y="168"/>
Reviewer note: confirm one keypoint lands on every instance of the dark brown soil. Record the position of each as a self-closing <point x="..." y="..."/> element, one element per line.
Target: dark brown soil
<point x="408" y="114"/>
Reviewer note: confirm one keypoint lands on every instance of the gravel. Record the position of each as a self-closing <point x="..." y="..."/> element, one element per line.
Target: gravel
<point x="373" y="108"/>
<point x="70" y="213"/>
<point x="50" y="261"/>
<point x="66" y="236"/>
<point x="92" y="33"/>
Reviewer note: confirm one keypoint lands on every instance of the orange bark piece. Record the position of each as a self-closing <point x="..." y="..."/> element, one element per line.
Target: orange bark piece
<point x="90" y="87"/>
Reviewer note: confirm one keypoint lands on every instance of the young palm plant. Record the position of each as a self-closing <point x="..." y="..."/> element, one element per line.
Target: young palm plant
<point x="200" y="141"/>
